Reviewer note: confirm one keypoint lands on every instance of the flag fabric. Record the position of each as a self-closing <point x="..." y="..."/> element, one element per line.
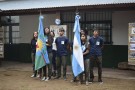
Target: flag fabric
<point x="77" y="59"/>
<point x="41" y="57"/>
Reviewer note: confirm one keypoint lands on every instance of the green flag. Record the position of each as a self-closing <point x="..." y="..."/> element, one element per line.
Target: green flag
<point x="41" y="58"/>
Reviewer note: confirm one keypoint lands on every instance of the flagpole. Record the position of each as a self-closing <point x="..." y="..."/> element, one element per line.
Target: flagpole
<point x="77" y="12"/>
<point x="40" y="12"/>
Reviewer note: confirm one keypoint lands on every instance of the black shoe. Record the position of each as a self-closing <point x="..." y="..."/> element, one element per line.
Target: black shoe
<point x="54" y="74"/>
<point x="100" y="80"/>
<point x="49" y="77"/>
<point x="73" y="80"/>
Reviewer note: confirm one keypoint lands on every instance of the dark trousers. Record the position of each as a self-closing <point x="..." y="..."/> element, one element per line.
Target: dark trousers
<point x="50" y="65"/>
<point x="61" y="60"/>
<point x="33" y="63"/>
<point x="98" y="60"/>
<point x="44" y="71"/>
<point x="54" y="60"/>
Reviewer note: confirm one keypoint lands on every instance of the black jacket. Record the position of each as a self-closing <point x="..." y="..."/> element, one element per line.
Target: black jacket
<point x="33" y="45"/>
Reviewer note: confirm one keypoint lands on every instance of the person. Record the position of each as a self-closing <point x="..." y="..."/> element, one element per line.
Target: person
<point x="85" y="51"/>
<point x="54" y="49"/>
<point x="49" y="41"/>
<point x="62" y="44"/>
<point x="33" y="51"/>
<point x="83" y="31"/>
<point x="96" y="46"/>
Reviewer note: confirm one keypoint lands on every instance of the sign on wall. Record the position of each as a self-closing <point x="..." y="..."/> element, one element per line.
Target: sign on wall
<point x="55" y="29"/>
<point x="131" y="44"/>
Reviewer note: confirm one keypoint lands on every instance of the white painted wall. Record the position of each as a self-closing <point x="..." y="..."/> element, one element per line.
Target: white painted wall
<point x="29" y="24"/>
<point x="120" y="20"/>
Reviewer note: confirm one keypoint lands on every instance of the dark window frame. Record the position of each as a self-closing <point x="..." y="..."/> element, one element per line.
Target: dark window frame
<point x="84" y="22"/>
<point x="10" y="24"/>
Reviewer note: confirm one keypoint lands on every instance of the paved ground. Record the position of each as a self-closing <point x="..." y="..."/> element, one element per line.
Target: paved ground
<point x="16" y="76"/>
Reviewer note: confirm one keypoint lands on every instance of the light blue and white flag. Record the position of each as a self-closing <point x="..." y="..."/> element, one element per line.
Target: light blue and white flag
<point x="77" y="59"/>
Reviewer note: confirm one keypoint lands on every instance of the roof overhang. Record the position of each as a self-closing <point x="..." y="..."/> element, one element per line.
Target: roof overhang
<point x="23" y="7"/>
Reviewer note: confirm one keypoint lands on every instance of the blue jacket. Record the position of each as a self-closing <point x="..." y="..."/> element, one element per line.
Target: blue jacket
<point x="96" y="46"/>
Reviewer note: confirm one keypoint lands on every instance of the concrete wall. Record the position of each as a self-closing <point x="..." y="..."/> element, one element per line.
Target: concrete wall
<point x="120" y="20"/>
<point x="29" y="24"/>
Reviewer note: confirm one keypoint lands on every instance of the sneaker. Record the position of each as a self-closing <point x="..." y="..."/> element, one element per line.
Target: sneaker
<point x="79" y="82"/>
<point x="32" y="75"/>
<point x="100" y="81"/>
<point x="91" y="80"/>
<point x="47" y="79"/>
<point x="72" y="80"/>
<point x="87" y="83"/>
<point x="38" y="76"/>
<point x="43" y="78"/>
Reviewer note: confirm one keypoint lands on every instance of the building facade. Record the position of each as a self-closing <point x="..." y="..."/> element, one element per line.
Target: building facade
<point x="110" y="18"/>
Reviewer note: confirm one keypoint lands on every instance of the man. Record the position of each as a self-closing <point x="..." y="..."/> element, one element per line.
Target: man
<point x="62" y="44"/>
<point x="96" y="46"/>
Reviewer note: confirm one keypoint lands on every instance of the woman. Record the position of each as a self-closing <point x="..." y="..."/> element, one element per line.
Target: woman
<point x="49" y="41"/>
<point x="85" y="51"/>
<point x="33" y="51"/>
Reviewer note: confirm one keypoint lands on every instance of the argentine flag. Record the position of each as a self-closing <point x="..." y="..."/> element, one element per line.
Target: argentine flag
<point x="77" y="59"/>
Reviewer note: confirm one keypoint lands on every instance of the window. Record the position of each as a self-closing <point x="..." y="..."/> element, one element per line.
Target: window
<point x="11" y="29"/>
<point x="101" y="20"/>
<point x="15" y="34"/>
